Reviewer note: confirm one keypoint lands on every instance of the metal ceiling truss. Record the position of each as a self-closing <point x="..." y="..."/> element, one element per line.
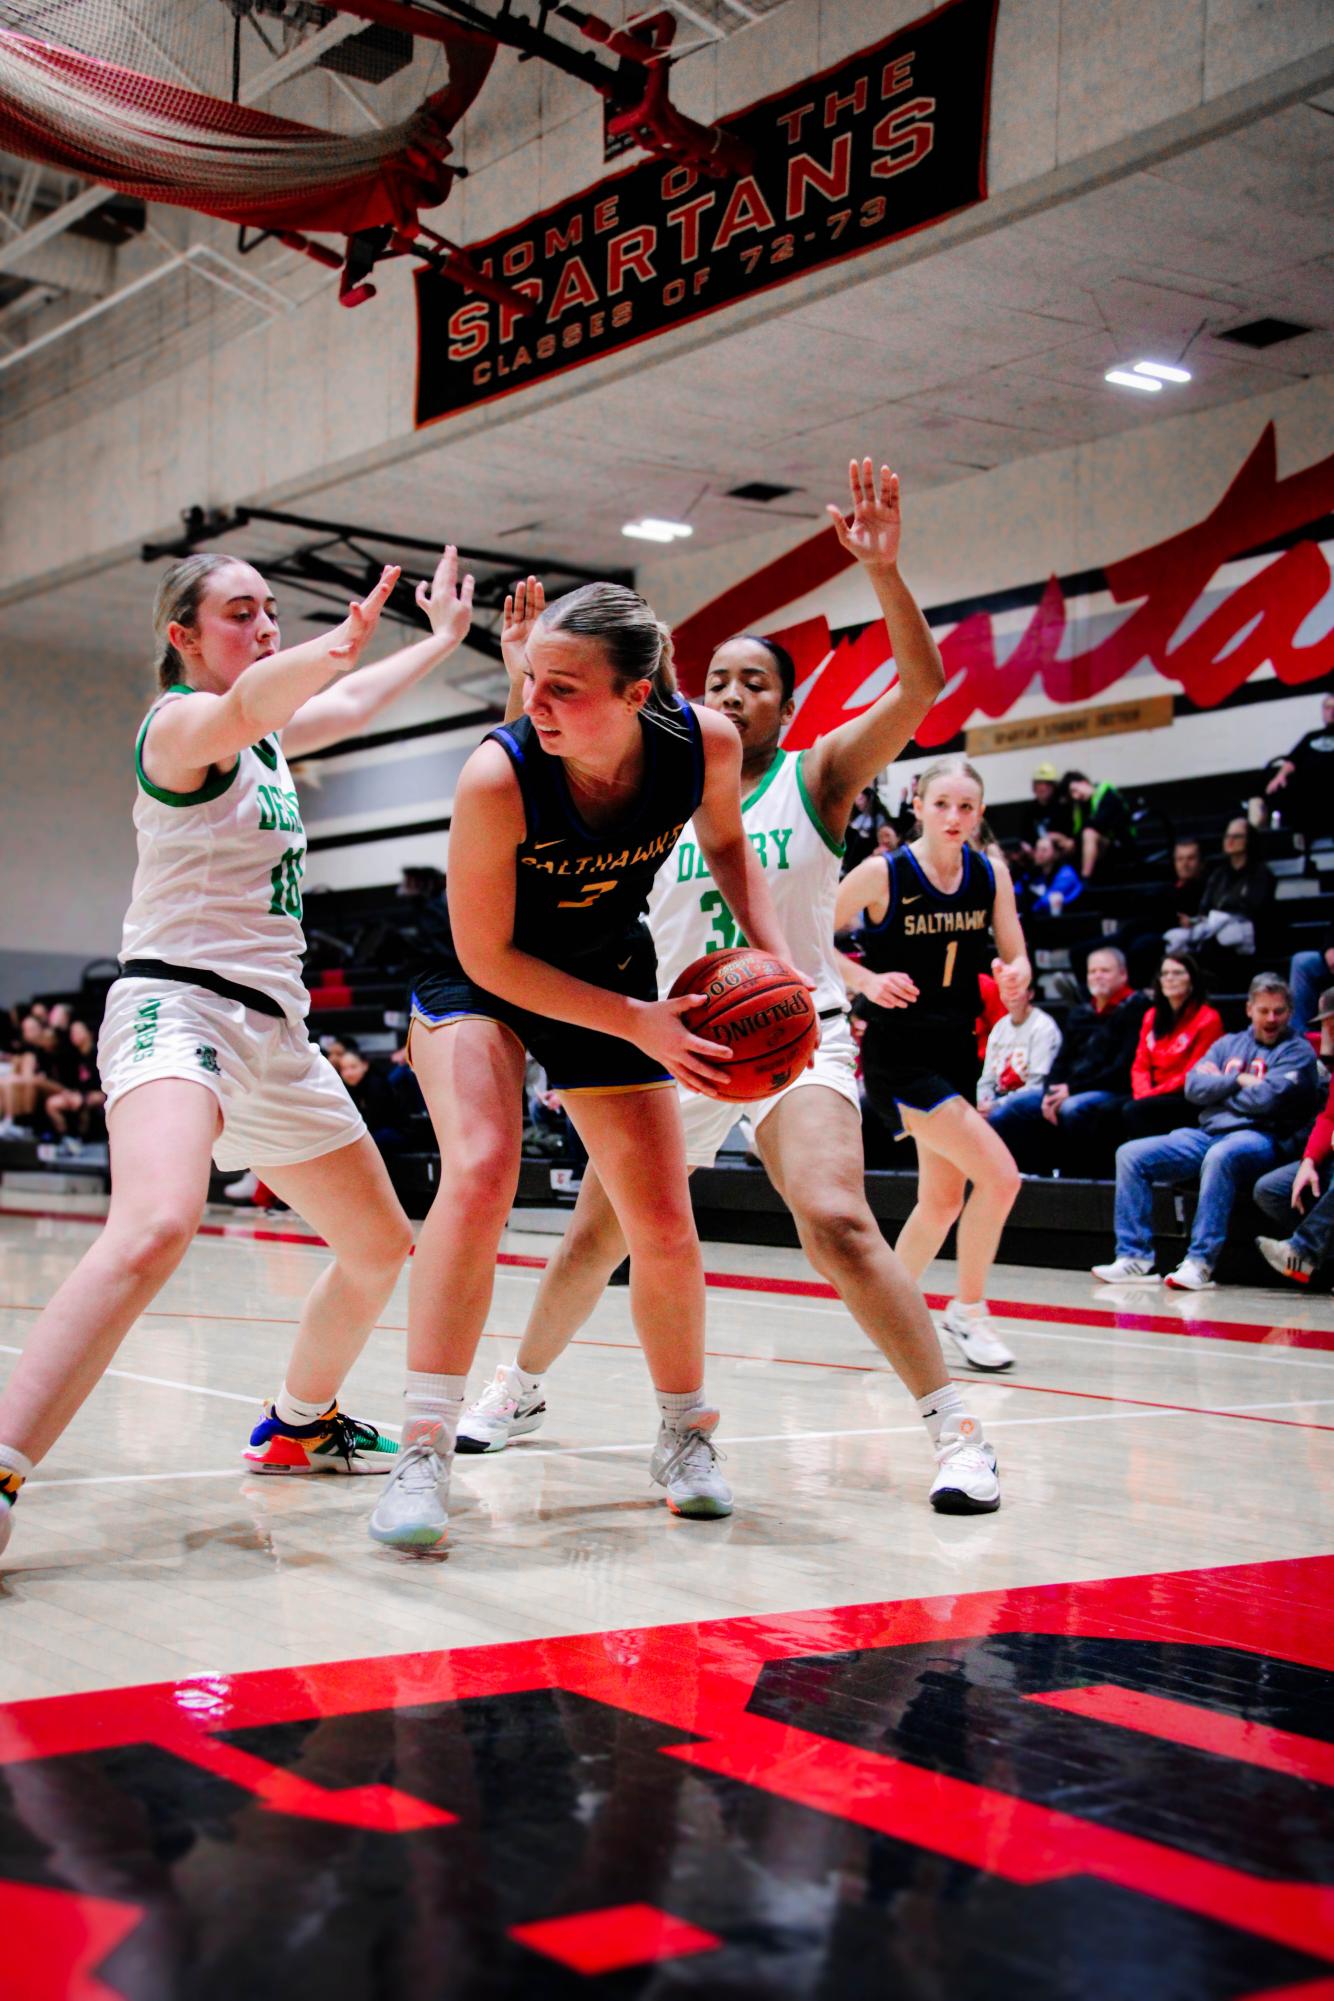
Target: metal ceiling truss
<point x="343" y="560"/>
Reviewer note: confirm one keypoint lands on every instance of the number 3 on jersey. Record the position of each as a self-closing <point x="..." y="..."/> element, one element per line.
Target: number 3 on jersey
<point x="285" y="881"/>
<point x="729" y="934"/>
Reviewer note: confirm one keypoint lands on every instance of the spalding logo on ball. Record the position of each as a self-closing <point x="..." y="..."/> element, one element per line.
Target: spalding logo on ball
<point x="761" y="1010"/>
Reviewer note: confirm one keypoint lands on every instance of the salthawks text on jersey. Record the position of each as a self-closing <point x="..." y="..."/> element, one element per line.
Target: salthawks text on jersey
<point x="661" y="844"/>
<point x="930" y="923"/>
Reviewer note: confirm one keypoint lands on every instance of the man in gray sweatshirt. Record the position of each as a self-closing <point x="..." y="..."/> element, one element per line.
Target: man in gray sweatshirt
<point x="1256" y="1095"/>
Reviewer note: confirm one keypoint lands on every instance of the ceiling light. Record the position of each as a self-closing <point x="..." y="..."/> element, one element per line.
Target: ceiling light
<point x="650" y="529"/>
<point x="1123" y="378"/>
<point x="1162" y="371"/>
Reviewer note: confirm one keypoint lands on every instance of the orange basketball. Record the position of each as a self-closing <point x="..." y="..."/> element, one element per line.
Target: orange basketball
<point x="761" y="1010"/>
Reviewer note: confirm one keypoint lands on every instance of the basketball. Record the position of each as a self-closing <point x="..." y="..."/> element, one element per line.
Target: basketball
<point x="761" y="1010"/>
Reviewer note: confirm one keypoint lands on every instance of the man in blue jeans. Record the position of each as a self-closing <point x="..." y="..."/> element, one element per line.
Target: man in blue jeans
<point x="1256" y="1093"/>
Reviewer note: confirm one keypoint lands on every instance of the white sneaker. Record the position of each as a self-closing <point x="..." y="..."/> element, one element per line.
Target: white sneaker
<point x="413" y="1513"/>
<point x="503" y="1411"/>
<point x="685" y="1462"/>
<point x="243" y="1190"/>
<point x="966" y="1483"/>
<point x="1127" y="1271"/>
<point x="974" y="1340"/>
<point x="1191" y="1276"/>
<point x="6" y="1522"/>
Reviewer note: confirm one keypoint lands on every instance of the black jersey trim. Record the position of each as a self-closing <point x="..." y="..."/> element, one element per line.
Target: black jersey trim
<point x="970" y="855"/>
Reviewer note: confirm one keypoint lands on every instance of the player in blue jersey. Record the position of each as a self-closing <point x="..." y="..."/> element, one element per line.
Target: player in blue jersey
<point x="930" y="913"/>
<point x="561" y="821"/>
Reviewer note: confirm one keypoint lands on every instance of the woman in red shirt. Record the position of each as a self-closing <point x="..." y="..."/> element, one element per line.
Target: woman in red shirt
<point x="1175" y="1033"/>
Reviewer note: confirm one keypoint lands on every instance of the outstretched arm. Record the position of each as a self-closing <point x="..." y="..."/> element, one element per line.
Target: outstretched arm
<point x="348" y="709"/>
<point x="191" y="735"/>
<point x="849" y="757"/>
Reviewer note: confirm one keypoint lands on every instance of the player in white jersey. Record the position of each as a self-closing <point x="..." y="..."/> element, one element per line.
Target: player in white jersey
<point x="204" y="1050"/>
<point x="795" y="810"/>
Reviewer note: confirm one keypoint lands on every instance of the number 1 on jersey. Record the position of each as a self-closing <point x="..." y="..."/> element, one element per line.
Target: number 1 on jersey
<point x="951" y="954"/>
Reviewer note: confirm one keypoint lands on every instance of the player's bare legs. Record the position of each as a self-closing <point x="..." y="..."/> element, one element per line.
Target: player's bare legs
<point x="839" y="1234"/>
<point x="575" y="1278"/>
<point x="348" y="1199"/>
<point x="161" y="1139"/>
<point x="955" y="1146"/>
<point x="636" y="1144"/>
<point x="471" y="1075"/>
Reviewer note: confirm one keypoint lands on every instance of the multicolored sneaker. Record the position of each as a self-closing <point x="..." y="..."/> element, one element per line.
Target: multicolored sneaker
<point x="333" y="1444"/>
<point x="9" y="1493"/>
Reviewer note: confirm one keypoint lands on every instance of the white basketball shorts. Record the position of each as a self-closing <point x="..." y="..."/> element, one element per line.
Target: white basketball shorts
<point x="708" y="1121"/>
<point x="281" y="1099"/>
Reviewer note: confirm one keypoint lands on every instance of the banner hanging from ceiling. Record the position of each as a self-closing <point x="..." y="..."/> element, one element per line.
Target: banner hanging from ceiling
<point x="883" y="144"/>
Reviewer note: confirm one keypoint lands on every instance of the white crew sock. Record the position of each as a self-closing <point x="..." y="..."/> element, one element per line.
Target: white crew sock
<point x="521" y="1381"/>
<point x="677" y="1404"/>
<point x="295" y="1410"/>
<point x="940" y="1406"/>
<point x="435" y="1399"/>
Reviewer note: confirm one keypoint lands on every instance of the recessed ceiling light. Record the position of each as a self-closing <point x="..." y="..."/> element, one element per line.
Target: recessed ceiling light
<point x="1123" y="379"/>
<point x="1162" y="371"/>
<point x="650" y="529"/>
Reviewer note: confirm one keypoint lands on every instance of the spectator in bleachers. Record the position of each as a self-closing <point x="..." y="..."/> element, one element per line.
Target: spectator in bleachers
<point x="1303" y="785"/>
<point x="1308" y="976"/>
<point x="1080" y="1108"/>
<point x="1175" y="1033"/>
<point x="1048" y="813"/>
<point x="1294" y="1192"/>
<point x="1053" y="884"/>
<point x="1099" y="821"/>
<point x="369" y="1088"/>
<point x="868" y="817"/>
<point x="75" y="1110"/>
<point x="886" y="840"/>
<point x="1236" y="897"/>
<point x="1020" y="1051"/>
<point x="29" y="1082"/>
<point x="1254" y="1093"/>
<point x="1189" y="878"/>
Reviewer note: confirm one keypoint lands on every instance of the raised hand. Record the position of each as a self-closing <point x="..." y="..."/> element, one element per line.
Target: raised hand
<point x="348" y="639"/>
<point x="872" y="535"/>
<point x="447" y="604"/>
<point x="523" y="607"/>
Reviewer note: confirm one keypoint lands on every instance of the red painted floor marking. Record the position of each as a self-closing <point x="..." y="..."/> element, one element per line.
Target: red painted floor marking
<point x="54" y="1938"/>
<point x="1201" y="1729"/>
<point x="1275" y="1334"/>
<point x="699" y="1679"/>
<point x="620" y="1936"/>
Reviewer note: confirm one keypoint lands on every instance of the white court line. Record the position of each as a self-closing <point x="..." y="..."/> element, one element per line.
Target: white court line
<point x="135" y="1479"/>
